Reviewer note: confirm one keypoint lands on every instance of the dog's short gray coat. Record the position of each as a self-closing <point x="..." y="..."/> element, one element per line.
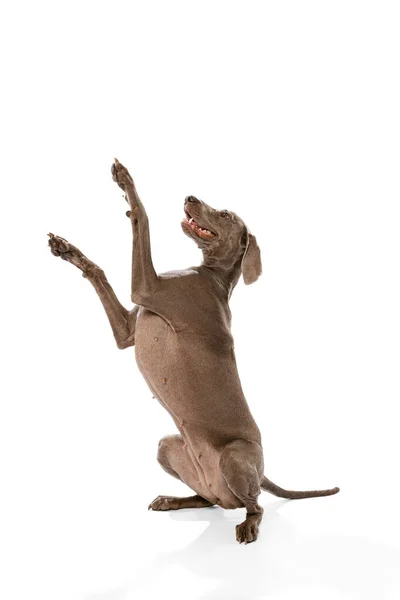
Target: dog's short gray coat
<point x="180" y="327"/>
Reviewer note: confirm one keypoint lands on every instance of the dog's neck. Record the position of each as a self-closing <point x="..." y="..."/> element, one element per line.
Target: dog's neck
<point x="226" y="275"/>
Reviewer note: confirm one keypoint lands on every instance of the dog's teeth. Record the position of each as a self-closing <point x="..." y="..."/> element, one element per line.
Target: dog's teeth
<point x="191" y="220"/>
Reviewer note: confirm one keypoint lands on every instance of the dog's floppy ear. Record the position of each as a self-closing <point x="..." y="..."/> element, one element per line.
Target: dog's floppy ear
<point x="251" y="261"/>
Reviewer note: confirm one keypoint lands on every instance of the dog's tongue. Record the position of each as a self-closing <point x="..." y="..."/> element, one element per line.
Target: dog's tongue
<point x="200" y="230"/>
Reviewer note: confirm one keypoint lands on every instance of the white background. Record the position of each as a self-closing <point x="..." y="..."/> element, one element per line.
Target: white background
<point x="287" y="113"/>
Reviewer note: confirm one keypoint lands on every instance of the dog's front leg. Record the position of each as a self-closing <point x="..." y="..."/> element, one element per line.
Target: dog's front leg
<point x="121" y="320"/>
<point x="145" y="282"/>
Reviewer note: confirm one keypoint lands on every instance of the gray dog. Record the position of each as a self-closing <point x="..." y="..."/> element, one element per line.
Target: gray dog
<point x="180" y="327"/>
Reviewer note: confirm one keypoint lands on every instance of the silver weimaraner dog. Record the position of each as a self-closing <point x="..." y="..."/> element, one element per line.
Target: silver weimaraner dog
<point x="180" y="327"/>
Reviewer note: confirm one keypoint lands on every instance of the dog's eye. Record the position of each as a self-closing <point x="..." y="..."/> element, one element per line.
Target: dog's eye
<point x="224" y="214"/>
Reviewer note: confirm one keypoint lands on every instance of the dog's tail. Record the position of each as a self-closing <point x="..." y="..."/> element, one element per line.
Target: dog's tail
<point x="270" y="487"/>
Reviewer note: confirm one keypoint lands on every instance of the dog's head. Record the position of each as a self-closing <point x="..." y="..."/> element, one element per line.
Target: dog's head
<point x="223" y="238"/>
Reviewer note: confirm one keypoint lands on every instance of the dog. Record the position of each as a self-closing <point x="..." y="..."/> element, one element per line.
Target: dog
<point x="181" y="329"/>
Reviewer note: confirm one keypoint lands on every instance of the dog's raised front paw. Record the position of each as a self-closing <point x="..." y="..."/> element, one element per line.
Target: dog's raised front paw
<point x="120" y="174"/>
<point x="60" y="247"/>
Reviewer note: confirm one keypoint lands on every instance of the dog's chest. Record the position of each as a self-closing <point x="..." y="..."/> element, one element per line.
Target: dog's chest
<point x="153" y="348"/>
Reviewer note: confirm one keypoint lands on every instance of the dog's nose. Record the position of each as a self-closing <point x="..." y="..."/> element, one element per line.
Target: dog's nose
<point x="191" y="199"/>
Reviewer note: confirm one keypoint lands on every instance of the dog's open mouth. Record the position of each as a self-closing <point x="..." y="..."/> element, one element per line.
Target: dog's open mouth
<point x="202" y="232"/>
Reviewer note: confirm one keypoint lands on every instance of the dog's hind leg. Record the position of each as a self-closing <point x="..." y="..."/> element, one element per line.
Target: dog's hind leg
<point x="241" y="465"/>
<point x="175" y="460"/>
<point x="174" y="503"/>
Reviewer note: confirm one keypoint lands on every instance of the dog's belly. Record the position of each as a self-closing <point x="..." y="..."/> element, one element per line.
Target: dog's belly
<point x="195" y="378"/>
<point x="199" y="386"/>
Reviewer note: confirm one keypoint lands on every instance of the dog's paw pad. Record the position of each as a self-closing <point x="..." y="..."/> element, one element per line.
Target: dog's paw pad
<point x="58" y="245"/>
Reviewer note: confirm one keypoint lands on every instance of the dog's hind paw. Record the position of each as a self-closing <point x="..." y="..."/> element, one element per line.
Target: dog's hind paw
<point x="163" y="503"/>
